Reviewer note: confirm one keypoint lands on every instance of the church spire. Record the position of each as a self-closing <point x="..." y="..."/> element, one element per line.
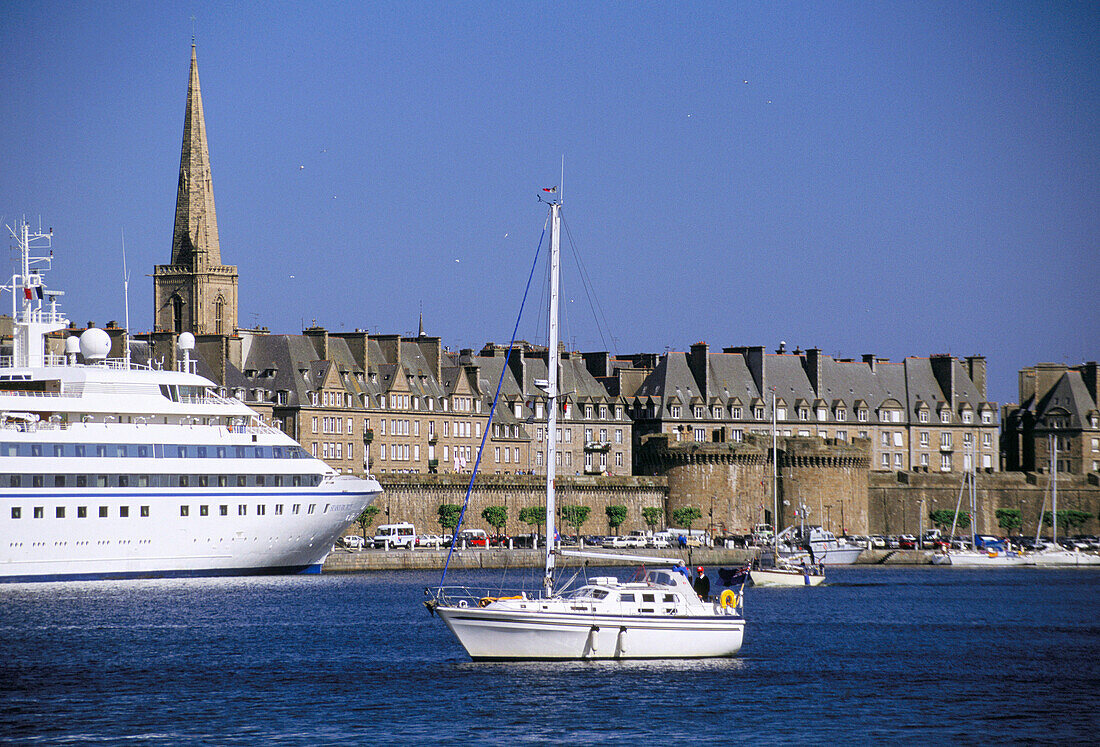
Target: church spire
<point x="196" y="293"/>
<point x="195" y="237"/>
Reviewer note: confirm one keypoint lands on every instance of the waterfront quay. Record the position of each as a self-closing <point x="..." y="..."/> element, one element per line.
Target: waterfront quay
<point x="352" y="561"/>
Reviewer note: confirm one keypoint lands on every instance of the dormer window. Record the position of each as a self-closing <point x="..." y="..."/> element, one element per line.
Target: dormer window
<point x="922" y="416"/>
<point x="945" y="416"/>
<point x="968" y="417"/>
<point x="588" y="412"/>
<point x="697" y="411"/>
<point x="841" y="413"/>
<point x="861" y="415"/>
<point x="758" y="413"/>
<point x="736" y="412"/>
<point x="822" y="413"/>
<point x="674" y="411"/>
<point x="803" y="413"/>
<point x="987" y="418"/>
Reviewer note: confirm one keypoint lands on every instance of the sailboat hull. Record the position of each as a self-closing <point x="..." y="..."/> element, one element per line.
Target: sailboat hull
<point x="489" y="635"/>
<point x="969" y="559"/>
<point x="780" y="577"/>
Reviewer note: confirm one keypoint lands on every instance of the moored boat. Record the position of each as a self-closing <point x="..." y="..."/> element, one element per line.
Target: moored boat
<point x="657" y="616"/>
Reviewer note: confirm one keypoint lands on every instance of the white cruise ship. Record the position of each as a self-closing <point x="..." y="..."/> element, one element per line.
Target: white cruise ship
<point x="113" y="470"/>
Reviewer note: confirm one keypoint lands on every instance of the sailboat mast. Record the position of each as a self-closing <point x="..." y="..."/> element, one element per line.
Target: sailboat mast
<point x="1053" y="487"/>
<point x="552" y="392"/>
<point x="775" y="483"/>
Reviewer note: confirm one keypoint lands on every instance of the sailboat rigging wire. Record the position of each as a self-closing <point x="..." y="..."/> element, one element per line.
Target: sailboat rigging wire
<point x="586" y="283"/>
<point x="492" y="410"/>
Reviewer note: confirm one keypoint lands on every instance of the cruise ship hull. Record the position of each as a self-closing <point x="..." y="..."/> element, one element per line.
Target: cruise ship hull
<point x="70" y="535"/>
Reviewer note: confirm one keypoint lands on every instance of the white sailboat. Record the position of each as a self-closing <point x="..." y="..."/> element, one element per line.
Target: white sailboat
<point x="1054" y="555"/>
<point x="774" y="569"/>
<point x="988" y="556"/>
<point x="656" y="616"/>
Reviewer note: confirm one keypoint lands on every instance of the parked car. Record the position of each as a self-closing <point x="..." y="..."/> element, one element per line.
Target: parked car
<point x="473" y="538"/>
<point x="658" y="542"/>
<point x="616" y="543"/>
<point x="429" y="540"/>
<point x="907" y="542"/>
<point x="877" y="542"/>
<point x="353" y="542"/>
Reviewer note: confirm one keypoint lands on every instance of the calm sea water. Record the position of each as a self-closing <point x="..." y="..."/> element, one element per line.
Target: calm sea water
<point x="925" y="654"/>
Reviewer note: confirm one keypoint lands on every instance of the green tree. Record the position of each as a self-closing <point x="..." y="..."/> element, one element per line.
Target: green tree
<point x="495" y="516"/>
<point x="533" y="516"/>
<point x="366" y="518"/>
<point x="1068" y="518"/>
<point x="1009" y="519"/>
<point x="616" y="515"/>
<point x="685" y="516"/>
<point x="945" y="517"/>
<point x="652" y="516"/>
<point x="448" y="515"/>
<point x="575" y="516"/>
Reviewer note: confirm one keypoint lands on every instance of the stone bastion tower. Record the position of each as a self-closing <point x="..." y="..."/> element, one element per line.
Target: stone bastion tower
<point x="195" y="293"/>
<point x="731" y="483"/>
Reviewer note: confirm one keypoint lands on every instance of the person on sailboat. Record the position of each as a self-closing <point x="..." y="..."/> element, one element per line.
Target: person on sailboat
<point x="702" y="584"/>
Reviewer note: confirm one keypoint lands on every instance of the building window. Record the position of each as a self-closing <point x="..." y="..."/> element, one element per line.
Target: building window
<point x="674" y="411"/>
<point x="861" y="415"/>
<point x="924" y="438"/>
<point x="897" y="461"/>
<point x="945" y="462"/>
<point x="898" y="438"/>
<point x="736" y="412"/>
<point x="945" y="416"/>
<point x="945" y="440"/>
<point x="781" y="413"/>
<point x="968" y="417"/>
<point x="987" y="418"/>
<point x="822" y="413"/>
<point x="885" y="460"/>
<point x="700" y="435"/>
<point x="922" y="416"/>
<point x="924" y="460"/>
<point x="803" y="413"/>
<point x="759" y="413"/>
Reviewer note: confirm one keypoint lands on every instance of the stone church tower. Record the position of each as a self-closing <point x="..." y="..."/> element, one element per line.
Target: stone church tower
<point x="196" y="293"/>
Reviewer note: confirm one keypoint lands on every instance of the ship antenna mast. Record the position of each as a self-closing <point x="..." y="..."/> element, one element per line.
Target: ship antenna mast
<point x="126" y="302"/>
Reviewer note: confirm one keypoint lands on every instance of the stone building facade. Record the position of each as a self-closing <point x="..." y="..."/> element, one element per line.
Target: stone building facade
<point x="1058" y="409"/>
<point x="923" y="414"/>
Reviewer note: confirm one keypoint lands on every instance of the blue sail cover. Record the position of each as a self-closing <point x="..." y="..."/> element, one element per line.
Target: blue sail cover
<point x="985" y="542"/>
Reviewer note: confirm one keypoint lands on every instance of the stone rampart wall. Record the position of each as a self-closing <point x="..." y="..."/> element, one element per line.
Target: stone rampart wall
<point x="899" y="502"/>
<point x="416" y="498"/>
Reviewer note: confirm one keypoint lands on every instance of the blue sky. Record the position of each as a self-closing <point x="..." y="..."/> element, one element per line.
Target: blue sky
<point x="863" y="177"/>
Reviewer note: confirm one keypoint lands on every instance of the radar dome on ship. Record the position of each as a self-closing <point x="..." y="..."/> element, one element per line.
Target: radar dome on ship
<point x="187" y="341"/>
<point x="94" y="344"/>
<point x="72" y="345"/>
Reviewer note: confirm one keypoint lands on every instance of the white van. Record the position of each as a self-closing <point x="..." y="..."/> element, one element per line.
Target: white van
<point x="395" y="535"/>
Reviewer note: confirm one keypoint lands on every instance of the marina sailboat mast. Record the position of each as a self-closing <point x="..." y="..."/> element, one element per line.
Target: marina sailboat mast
<point x="552" y="392"/>
<point x="775" y="483"/>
